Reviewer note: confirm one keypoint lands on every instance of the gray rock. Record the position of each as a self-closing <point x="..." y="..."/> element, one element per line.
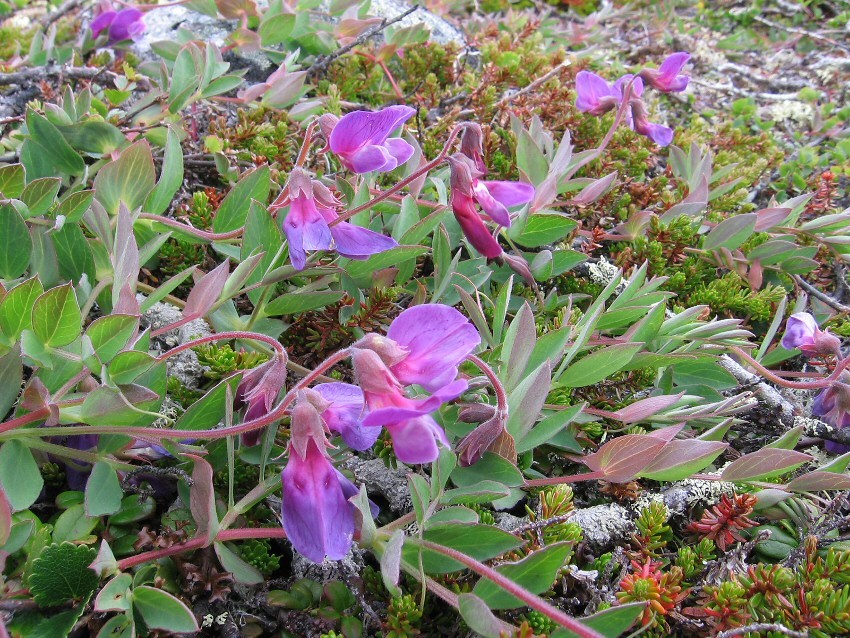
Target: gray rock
<point x="604" y="525"/>
<point x="442" y="31"/>
<point x="379" y="479"/>
<point x="509" y="522"/>
<point x="185" y="365"/>
<point x="345" y="570"/>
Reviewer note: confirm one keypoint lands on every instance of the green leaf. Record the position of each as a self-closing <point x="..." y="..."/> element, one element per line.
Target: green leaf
<point x="61" y="574"/>
<point x="535" y="573"/>
<point x="362" y="271"/>
<point x="134" y="508"/>
<point x="680" y="459"/>
<point x="51" y="147"/>
<point x="207" y="411"/>
<point x="242" y="571"/>
<point x="73" y="524"/>
<point x="75" y="205"/>
<point x="16" y="308"/>
<point x="109" y="406"/>
<point x="128" y="179"/>
<point x="232" y="213"/>
<point x="276" y="29"/>
<point x="764" y="464"/>
<point x="19" y="475"/>
<point x="127" y="366"/>
<point x="481" y="542"/>
<point x="611" y="623"/>
<point x="56" y="319"/>
<point x="261" y="234"/>
<point x="110" y="334"/>
<point x="480" y="619"/>
<point x="171" y="177"/>
<point x="73" y="253"/>
<point x="295" y="303"/>
<point x="40" y="194"/>
<point x="95" y="137"/>
<point x="598" y="365"/>
<point x="542" y="229"/>
<point x="15" y="243"/>
<point x="12" y="180"/>
<point x="161" y="610"/>
<point x="103" y="490"/>
<point x="483" y="492"/>
<point x="116" y="595"/>
<point x="11" y="377"/>
<point x="491" y="467"/>
<point x="731" y="233"/>
<point x="549" y="427"/>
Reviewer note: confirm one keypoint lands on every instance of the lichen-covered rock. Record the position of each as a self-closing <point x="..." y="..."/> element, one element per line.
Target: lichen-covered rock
<point x="185" y="365"/>
<point x="604" y="526"/>
<point x="379" y="479"/>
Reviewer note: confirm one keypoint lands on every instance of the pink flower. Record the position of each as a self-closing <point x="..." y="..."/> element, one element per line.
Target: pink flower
<point x="666" y="77"/>
<point x="360" y="139"/>
<point x="594" y="94"/>
<point x="801" y="331"/>
<point x="833" y="405"/>
<point x="424" y="346"/>
<point x="307" y="227"/>
<point x="122" y="25"/>
<point x="343" y="414"/>
<point x="661" y="135"/>
<point x="258" y="390"/>
<point x="494" y="198"/>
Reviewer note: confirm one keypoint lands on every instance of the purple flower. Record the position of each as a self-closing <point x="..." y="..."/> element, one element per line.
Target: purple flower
<point x="424" y="346"/>
<point x="833" y="406"/>
<point x="595" y="95"/>
<point x="666" y="77"/>
<point x="801" y="331"/>
<point x="317" y="517"/>
<point x="494" y="198"/>
<point x="360" y="140"/>
<point x="661" y="135"/>
<point x="343" y="414"/>
<point x="120" y="25"/>
<point x="259" y="390"/>
<point x="307" y="224"/>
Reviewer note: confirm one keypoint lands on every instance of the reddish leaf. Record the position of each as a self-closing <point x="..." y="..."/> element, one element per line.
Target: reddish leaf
<point x="125" y="261"/>
<point x="667" y="434"/>
<point x="763" y="464"/>
<point x="767" y="218"/>
<point x="202" y="499"/>
<point x="594" y="190"/>
<point x="645" y="408"/>
<point x="206" y="291"/>
<point x="5" y="517"/>
<point x="625" y="457"/>
<point x="683" y="458"/>
<point x="818" y="481"/>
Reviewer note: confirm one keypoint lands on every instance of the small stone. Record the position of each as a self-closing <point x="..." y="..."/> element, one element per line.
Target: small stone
<point x="604" y="526"/>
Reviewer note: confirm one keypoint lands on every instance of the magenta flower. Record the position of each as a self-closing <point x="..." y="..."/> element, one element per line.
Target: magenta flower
<point x="801" y="331"/>
<point x="307" y="227"/>
<point x="661" y="135"/>
<point x="833" y="406"/>
<point x="666" y="77"/>
<point x="424" y="346"/>
<point x="122" y="25"/>
<point x="343" y="414"/>
<point x="258" y="390"/>
<point x="437" y="339"/>
<point x="595" y="95"/>
<point x="494" y="198"/>
<point x="360" y="140"/>
<point x="317" y="517"/>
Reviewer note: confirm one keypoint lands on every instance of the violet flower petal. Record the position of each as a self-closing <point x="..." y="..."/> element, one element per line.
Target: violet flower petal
<point x="474" y="229"/>
<point x="317" y="518"/>
<point x="356" y="242"/>
<point x="344" y="414"/>
<point x="364" y="128"/>
<point x="400" y="149"/>
<point x="594" y="94"/>
<point x="102" y="22"/>
<point x="350" y="490"/>
<point x="666" y="78"/>
<point x="126" y="25"/>
<point x="369" y="159"/>
<point x="437" y="338"/>
<point x="404" y="408"/>
<point x="415" y="441"/>
<point x="799" y="331"/>
<point x="305" y="229"/>
<point x="494" y="209"/>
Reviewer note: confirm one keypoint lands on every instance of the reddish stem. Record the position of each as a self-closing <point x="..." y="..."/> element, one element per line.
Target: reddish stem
<point x="197" y="543"/>
<point x="535" y="602"/>
<point x="795" y="385"/>
<point x="191" y="230"/>
<point x="35" y="415"/>
<point x="560" y="480"/>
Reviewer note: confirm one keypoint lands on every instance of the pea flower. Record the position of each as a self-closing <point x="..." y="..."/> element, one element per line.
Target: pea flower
<point x="361" y="139"/>
<point x="833" y="406"/>
<point x="494" y="198"/>
<point x="125" y="24"/>
<point x="424" y="346"/>
<point x="666" y="77"/>
<point x="307" y="227"/>
<point x="596" y="96"/>
<point x="258" y="390"/>
<point x="801" y="331"/>
<point x="317" y="517"/>
<point x="341" y="406"/>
